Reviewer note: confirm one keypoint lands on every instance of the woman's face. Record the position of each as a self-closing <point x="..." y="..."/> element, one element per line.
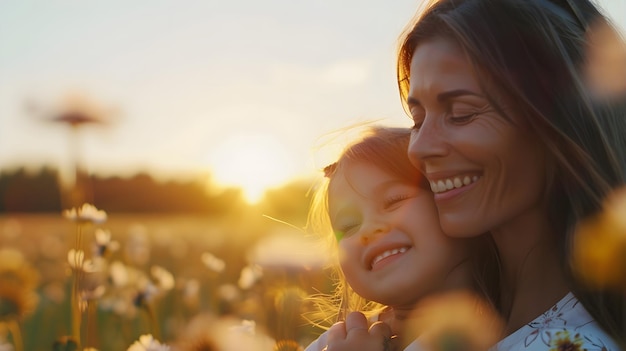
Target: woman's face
<point x="485" y="170"/>
<point x="391" y="247"/>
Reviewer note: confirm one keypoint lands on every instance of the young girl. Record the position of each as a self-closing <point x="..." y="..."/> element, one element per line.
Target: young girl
<point x="380" y="217"/>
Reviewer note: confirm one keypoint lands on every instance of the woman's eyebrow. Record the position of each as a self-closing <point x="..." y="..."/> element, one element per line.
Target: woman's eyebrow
<point x="412" y="101"/>
<point x="456" y="93"/>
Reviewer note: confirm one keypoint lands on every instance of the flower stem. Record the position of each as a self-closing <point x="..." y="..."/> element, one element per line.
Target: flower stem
<point x="154" y="324"/>
<point x="77" y="273"/>
<point x="16" y="333"/>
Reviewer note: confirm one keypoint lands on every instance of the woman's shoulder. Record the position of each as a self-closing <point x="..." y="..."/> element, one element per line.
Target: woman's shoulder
<point x="565" y="326"/>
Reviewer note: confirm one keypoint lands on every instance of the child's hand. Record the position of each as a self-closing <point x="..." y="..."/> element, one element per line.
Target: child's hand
<point x="354" y="334"/>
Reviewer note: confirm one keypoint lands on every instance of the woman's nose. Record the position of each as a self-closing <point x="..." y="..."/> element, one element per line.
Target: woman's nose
<point x="426" y="142"/>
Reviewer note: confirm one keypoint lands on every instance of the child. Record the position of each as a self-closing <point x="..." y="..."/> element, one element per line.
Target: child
<point x="382" y="220"/>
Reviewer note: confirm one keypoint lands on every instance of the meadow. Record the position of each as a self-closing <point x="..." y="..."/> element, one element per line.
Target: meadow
<point x="188" y="281"/>
<point x="84" y="279"/>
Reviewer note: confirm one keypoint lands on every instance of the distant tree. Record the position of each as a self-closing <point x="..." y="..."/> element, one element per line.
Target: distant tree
<point x="23" y="191"/>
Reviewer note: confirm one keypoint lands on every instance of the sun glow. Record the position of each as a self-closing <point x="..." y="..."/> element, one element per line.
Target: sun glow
<point x="253" y="162"/>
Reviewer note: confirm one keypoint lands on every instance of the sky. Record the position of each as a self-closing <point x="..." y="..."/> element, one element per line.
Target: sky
<point x="255" y="92"/>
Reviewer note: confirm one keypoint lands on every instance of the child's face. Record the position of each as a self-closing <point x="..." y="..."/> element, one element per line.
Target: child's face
<point x="391" y="246"/>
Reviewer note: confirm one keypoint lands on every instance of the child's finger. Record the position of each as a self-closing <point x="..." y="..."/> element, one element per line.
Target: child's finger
<point x="380" y="328"/>
<point x="337" y="332"/>
<point x="356" y="322"/>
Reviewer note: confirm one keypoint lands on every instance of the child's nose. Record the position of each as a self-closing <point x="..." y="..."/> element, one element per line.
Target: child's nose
<point x="373" y="231"/>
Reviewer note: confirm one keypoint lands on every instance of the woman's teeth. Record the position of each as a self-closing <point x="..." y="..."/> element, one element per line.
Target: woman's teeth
<point x="443" y="185"/>
<point x="388" y="253"/>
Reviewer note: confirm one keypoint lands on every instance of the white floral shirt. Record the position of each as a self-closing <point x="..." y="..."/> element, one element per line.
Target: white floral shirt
<point x="566" y="326"/>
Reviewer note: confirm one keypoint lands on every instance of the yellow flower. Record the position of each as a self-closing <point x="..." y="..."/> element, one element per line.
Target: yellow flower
<point x="599" y="253"/>
<point x="16" y="302"/>
<point x="14" y="269"/>
<point x="455" y="321"/>
<point x="18" y="281"/>
<point x="563" y="342"/>
<point x="87" y="213"/>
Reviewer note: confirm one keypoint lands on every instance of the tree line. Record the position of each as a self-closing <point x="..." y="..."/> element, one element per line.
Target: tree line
<point x="40" y="191"/>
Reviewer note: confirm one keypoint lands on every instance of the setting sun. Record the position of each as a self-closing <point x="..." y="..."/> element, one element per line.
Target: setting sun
<point x="253" y="162"/>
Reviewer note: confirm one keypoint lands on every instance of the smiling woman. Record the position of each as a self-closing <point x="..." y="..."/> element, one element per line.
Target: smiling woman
<point x="252" y="162"/>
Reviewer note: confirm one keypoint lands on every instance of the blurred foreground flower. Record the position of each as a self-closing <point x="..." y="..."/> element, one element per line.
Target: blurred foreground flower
<point x="213" y="263"/>
<point x="104" y="246"/>
<point x="289" y="250"/>
<point x="600" y="246"/>
<point x="606" y="67"/>
<point x="148" y="343"/>
<point x="208" y="333"/>
<point x="18" y="281"/>
<point x="65" y="343"/>
<point x="87" y="213"/>
<point x="249" y="275"/>
<point x="456" y="321"/>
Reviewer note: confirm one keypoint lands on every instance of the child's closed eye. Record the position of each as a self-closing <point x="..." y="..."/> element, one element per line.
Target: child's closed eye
<point x="346" y="230"/>
<point x="394" y="201"/>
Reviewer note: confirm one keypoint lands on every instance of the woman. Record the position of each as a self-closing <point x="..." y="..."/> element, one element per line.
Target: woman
<point x="515" y="140"/>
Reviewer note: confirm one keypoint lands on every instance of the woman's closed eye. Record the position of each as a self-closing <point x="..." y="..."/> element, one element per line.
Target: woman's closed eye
<point x="462" y="117"/>
<point x="461" y="113"/>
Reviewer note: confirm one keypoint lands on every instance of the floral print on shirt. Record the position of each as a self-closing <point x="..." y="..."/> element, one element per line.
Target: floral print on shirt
<point x="567" y="326"/>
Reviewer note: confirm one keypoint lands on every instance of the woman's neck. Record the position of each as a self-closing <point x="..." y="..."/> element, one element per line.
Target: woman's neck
<point x="532" y="277"/>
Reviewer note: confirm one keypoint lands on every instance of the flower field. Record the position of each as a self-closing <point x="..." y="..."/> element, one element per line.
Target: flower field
<point x="87" y="280"/>
<point x="109" y="282"/>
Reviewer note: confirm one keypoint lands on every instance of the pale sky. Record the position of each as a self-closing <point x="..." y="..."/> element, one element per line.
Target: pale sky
<point x="200" y="84"/>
